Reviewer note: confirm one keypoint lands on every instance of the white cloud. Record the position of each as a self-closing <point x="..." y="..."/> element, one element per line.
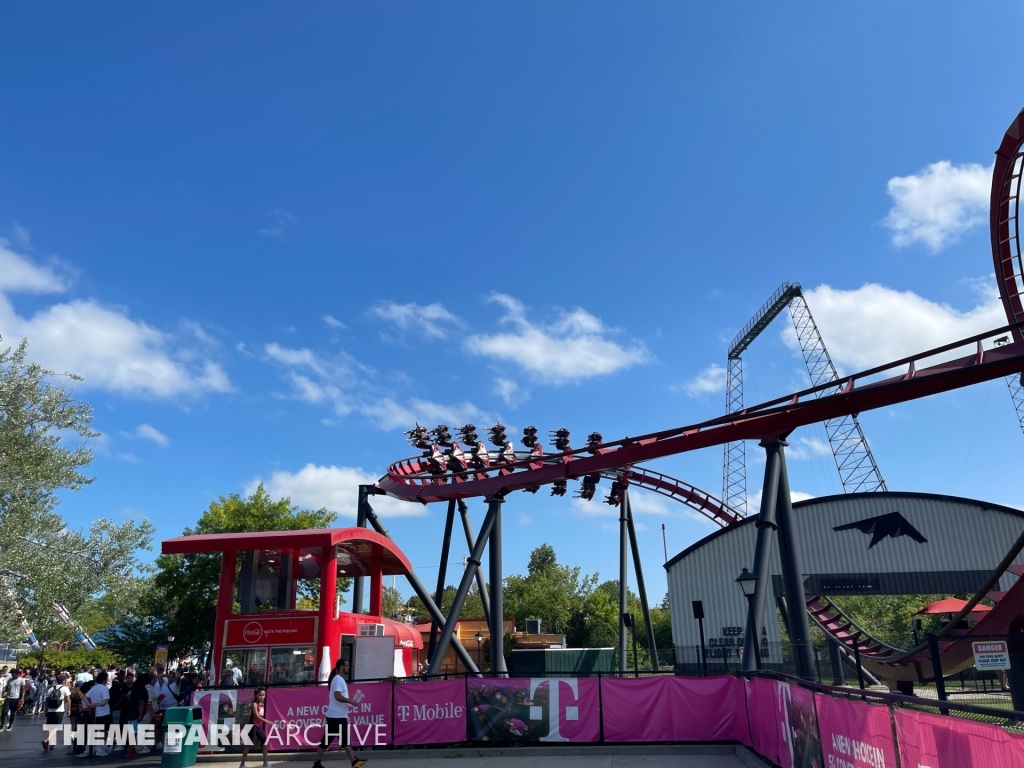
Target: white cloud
<point x="131" y="458"/>
<point x="936" y="205"/>
<point x="20" y="274"/>
<point x="431" y="320"/>
<point x="333" y="321"/>
<point x="510" y="392"/>
<point x="103" y="344"/>
<point x="335" y="488"/>
<point x="347" y="386"/>
<point x="574" y="347"/>
<point x="712" y="379"/>
<point x="147" y="432"/>
<point x="873" y="325"/>
<point x="808" y="448"/>
<point x="284" y="222"/>
<point x="390" y="415"/>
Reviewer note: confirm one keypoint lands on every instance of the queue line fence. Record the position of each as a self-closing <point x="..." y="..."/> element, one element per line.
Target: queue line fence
<point x="790" y="722"/>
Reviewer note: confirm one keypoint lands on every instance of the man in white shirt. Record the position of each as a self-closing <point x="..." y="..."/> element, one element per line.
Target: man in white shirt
<point x="98" y="698"/>
<point x="336" y="726"/>
<point x="84" y="676"/>
<point x="15" y="696"/>
<point x="56" y="707"/>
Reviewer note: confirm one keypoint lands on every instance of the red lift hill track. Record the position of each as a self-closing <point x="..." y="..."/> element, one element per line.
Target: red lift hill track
<point x="991" y="355"/>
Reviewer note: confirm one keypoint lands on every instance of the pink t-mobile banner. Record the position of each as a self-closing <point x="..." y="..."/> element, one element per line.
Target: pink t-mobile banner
<point x="855" y="734"/>
<point x="784" y="724"/>
<point x="297" y="716"/>
<point x="938" y="741"/>
<point x="431" y="712"/>
<point x="764" y="723"/>
<point x="533" y="709"/>
<point x="674" y="709"/>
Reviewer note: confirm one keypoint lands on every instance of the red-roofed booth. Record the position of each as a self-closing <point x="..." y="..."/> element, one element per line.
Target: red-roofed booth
<point x="262" y="632"/>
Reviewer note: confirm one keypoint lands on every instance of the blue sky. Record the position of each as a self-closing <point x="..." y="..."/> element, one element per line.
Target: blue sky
<point x="273" y="235"/>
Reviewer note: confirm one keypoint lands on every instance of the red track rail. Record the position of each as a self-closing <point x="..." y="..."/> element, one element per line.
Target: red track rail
<point x="1004" y="222"/>
<point x="410" y="479"/>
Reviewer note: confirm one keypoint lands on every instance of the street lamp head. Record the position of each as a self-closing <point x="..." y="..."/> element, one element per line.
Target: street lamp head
<point x="170" y="638"/>
<point x="479" y="638"/>
<point x="747" y="582"/>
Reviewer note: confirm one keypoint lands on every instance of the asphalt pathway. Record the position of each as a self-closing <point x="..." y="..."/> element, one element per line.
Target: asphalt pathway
<point x="21" y="748"/>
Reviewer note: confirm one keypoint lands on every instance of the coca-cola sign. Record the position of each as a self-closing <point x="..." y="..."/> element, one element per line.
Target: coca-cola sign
<point x="274" y="630"/>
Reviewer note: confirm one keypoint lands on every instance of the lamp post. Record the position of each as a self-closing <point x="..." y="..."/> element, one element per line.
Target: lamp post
<point x="42" y="655"/>
<point x="915" y="624"/>
<point x="170" y="639"/>
<point x="479" y="639"/>
<point x="748" y="584"/>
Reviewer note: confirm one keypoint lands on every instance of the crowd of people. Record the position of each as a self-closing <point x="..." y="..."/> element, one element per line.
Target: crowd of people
<point x="94" y="696"/>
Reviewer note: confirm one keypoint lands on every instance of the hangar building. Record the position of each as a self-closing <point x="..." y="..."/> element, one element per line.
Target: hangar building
<point x="882" y="543"/>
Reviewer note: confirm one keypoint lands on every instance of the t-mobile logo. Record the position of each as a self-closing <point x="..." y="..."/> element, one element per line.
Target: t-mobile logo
<point x="554" y="706"/>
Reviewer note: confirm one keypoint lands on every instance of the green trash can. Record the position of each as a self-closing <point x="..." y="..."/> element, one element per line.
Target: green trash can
<point x="178" y="754"/>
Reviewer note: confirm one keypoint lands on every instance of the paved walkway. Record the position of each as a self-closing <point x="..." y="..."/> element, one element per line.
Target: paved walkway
<point x="21" y="748"/>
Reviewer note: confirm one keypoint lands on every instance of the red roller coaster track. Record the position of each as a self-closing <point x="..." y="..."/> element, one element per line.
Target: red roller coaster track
<point x="411" y="479"/>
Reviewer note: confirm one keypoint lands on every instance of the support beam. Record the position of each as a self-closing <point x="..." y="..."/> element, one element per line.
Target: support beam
<point x="762" y="556"/>
<point x="448" y="631"/>
<point x="442" y="572"/>
<point x="225" y="604"/>
<point x="357" y="582"/>
<point x="424" y="596"/>
<point x="623" y="584"/>
<point x="497" y="623"/>
<point x="641" y="588"/>
<point x="328" y="608"/>
<point x="485" y="599"/>
<point x="377" y="581"/>
<point x="793" y="577"/>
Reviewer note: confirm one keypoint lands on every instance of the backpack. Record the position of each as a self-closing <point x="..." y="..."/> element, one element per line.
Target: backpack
<point x="55" y="699"/>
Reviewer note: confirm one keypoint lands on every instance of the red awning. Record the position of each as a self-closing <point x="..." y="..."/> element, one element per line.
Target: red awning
<point x="405" y="636"/>
<point x="951" y="605"/>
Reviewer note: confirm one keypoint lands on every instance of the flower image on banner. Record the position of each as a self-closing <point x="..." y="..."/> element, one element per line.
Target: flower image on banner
<point x="854" y="733"/>
<point x="800" y="746"/>
<point x="536" y="709"/>
<point x="297" y="716"/>
<point x="430" y="712"/>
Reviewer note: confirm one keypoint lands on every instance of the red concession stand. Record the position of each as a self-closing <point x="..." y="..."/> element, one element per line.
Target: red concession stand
<point x="278" y="617"/>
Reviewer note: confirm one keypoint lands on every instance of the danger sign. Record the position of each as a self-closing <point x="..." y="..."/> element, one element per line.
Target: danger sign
<point x="990" y="655"/>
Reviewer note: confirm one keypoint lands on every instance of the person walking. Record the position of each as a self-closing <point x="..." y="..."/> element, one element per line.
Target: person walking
<point x="98" y="699"/>
<point x="15" y="699"/>
<point x="336" y="726"/>
<point x="259" y="722"/>
<point x="58" y="702"/>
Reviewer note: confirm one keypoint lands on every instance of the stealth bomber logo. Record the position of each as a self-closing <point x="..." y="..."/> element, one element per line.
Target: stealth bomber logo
<point x="893" y="524"/>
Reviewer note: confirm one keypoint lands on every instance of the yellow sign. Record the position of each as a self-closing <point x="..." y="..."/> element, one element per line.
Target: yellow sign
<point x="161" y="654"/>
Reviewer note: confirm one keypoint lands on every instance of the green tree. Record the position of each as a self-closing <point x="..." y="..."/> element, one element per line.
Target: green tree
<point x="555" y="594"/>
<point x="181" y="598"/>
<point x="42" y="561"/>
<point x="473" y="608"/>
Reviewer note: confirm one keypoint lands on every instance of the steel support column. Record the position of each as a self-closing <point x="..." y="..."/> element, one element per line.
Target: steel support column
<point x="424" y="596"/>
<point x="357" y="581"/>
<point x="448" y="630"/>
<point x="793" y="577"/>
<point x="481" y="587"/>
<point x="497" y="623"/>
<point x="623" y="583"/>
<point x="641" y="588"/>
<point x="442" y="572"/>
<point x="762" y="557"/>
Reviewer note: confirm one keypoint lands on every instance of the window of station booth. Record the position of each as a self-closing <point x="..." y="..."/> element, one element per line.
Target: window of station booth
<point x="243" y="667"/>
<point x="292" y="665"/>
<point x="276" y="580"/>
